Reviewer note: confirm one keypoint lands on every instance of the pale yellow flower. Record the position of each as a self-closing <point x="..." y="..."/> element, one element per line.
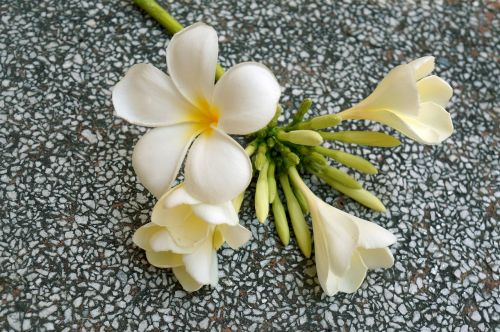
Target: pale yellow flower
<point x="410" y="101"/>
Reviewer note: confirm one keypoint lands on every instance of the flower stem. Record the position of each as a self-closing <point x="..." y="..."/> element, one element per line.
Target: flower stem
<point x="168" y="22"/>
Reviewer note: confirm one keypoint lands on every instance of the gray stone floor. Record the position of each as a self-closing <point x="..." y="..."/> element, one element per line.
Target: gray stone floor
<point x="70" y="202"/>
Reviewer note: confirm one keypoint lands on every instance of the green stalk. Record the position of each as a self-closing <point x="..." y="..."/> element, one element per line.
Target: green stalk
<point x="299" y="225"/>
<point x="280" y="221"/>
<point x="168" y="22"/>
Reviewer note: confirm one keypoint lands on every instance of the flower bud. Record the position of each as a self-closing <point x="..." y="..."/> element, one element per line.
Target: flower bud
<point x="299" y="225"/>
<point x="280" y="221"/>
<point x="271" y="181"/>
<point x="360" y="195"/>
<point x="368" y="138"/>
<point x="301" y="111"/>
<point x="339" y="176"/>
<point x="262" y="194"/>
<point x="302" y="137"/>
<point x="349" y="160"/>
<point x="301" y="199"/>
<point x="321" y="122"/>
<point x="260" y="158"/>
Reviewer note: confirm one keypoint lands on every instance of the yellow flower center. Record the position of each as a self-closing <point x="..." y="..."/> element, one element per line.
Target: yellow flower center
<point x="206" y="115"/>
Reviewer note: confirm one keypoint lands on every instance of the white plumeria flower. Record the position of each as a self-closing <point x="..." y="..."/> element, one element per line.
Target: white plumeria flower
<point x="184" y="234"/>
<point x="410" y="101"/>
<point x="187" y="106"/>
<point x="345" y="246"/>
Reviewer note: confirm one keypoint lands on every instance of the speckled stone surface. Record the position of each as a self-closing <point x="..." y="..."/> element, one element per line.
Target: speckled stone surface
<point x="70" y="201"/>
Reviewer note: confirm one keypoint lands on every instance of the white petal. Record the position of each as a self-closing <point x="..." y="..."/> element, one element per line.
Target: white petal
<point x="435" y="89"/>
<point x="354" y="276"/>
<point x="235" y="236"/>
<point x="199" y="263"/>
<point x="164" y="259"/>
<point x="186" y="281"/>
<point x="340" y="235"/>
<point x="222" y="213"/>
<point x="423" y="66"/>
<point x="246" y="97"/>
<point x="396" y="92"/>
<point x="217" y="168"/>
<point x="377" y="258"/>
<point x="432" y="126"/>
<point x="147" y="97"/>
<point x="191" y="60"/>
<point x="373" y="236"/>
<point x="322" y="258"/>
<point x="178" y="196"/>
<point x="159" y="154"/>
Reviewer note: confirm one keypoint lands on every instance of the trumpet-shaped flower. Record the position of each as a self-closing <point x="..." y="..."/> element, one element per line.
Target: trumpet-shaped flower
<point x="187" y="106"/>
<point x="410" y="101"/>
<point x="184" y="234"/>
<point x="345" y="246"/>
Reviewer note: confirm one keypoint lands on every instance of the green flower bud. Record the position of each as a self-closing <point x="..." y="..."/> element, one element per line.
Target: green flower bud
<point x="251" y="148"/>
<point x="280" y="221"/>
<point x="299" y="225"/>
<point x="339" y="176"/>
<point x="360" y="195"/>
<point x="262" y="194"/>
<point x="301" y="199"/>
<point x="260" y="158"/>
<point x="349" y="160"/>
<point x="302" y="137"/>
<point x="301" y="111"/>
<point x="271" y="181"/>
<point x="321" y="122"/>
<point x="368" y="138"/>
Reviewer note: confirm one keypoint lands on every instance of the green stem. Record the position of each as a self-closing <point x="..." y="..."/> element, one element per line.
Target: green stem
<point x="168" y="22"/>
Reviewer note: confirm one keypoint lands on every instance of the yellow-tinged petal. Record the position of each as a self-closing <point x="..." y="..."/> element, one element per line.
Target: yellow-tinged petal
<point x="143" y="235"/>
<point x="422" y="66"/>
<point x="434" y="89"/>
<point x="222" y="213"/>
<point x="187" y="282"/>
<point x="164" y="259"/>
<point x="396" y="92"/>
<point x="235" y="235"/>
<point x="217" y="168"/>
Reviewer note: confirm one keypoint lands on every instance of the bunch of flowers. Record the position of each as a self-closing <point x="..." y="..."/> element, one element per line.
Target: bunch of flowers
<point x="197" y="106"/>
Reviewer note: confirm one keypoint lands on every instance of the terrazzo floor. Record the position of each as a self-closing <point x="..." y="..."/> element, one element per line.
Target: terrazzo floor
<point x="70" y="201"/>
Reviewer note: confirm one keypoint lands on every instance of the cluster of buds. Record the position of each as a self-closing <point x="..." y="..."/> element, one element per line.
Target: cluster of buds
<point x="276" y="148"/>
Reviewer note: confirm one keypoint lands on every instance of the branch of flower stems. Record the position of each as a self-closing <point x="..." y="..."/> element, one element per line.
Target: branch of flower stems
<point x="168" y="22"/>
<point x="277" y="148"/>
<point x="192" y="220"/>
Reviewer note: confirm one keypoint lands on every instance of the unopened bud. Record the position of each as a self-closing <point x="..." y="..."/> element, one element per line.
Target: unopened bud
<point x="349" y="160"/>
<point x="299" y="225"/>
<point x="321" y="122"/>
<point x="280" y="221"/>
<point x="368" y="138"/>
<point x="302" y="137"/>
<point x="262" y="195"/>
